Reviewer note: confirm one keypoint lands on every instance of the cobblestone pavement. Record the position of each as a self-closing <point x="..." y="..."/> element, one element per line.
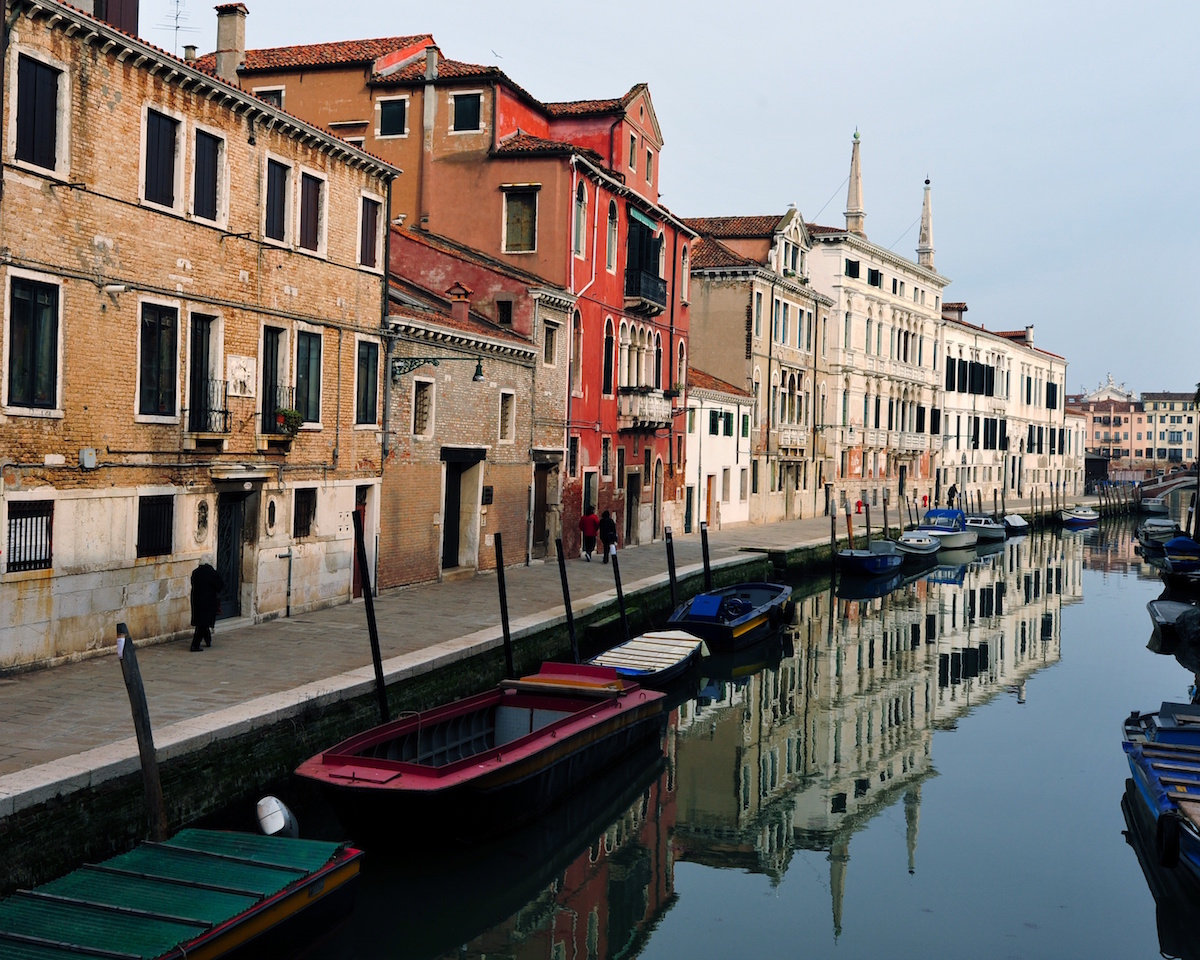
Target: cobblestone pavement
<point x="61" y="711"/>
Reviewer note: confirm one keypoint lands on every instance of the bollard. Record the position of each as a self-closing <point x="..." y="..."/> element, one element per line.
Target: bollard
<point x="562" y="575"/>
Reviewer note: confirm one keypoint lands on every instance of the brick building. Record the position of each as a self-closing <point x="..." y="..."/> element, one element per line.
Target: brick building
<point x="193" y="292"/>
<point x="567" y="192"/>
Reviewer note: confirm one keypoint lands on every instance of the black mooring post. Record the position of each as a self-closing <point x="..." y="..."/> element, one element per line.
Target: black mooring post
<point x="704" y="554"/>
<point x="887" y="534"/>
<point x="562" y="575"/>
<point x="151" y="784"/>
<point x="616" y="565"/>
<point x="360" y="549"/>
<point x="509" y="671"/>
<point x="671" y="567"/>
<point x="833" y="532"/>
<point x="867" y="508"/>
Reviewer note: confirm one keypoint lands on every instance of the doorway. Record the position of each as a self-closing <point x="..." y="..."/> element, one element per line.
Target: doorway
<point x="541" y="485"/>
<point x="231" y="522"/>
<point x="360" y="507"/>
<point x="633" y="492"/>
<point x="710" y="496"/>
<point x="688" y="507"/>
<point x="460" y="505"/>
<point x="656" y="527"/>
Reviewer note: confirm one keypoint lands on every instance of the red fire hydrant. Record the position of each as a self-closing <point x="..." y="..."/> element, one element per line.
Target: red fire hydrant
<point x="925" y="500"/>
<point x="859" y="510"/>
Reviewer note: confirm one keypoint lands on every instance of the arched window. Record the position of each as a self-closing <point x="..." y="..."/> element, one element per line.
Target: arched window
<point x="580" y="219"/>
<point x="868" y="344"/>
<point x="612" y="235"/>
<point x="791" y="399"/>
<point x="685" y="281"/>
<point x="681" y="368"/>
<point x="608" y="356"/>
<point x="577" y="354"/>
<point x="662" y="256"/>
<point x="623" y="357"/>
<point x="658" y="362"/>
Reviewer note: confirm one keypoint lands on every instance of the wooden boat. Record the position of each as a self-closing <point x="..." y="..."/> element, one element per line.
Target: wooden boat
<point x="1078" y="516"/>
<point x="1015" y="525"/>
<point x="917" y="544"/>
<point x="654" y="659"/>
<point x="1163" y="750"/>
<point x="1182" y="555"/>
<point x="735" y="616"/>
<point x="1153" y="532"/>
<point x="1166" y="616"/>
<point x="950" y="528"/>
<point x="494" y="760"/>
<point x="1156" y="506"/>
<point x="988" y="529"/>
<point x="203" y="893"/>
<point x="882" y="556"/>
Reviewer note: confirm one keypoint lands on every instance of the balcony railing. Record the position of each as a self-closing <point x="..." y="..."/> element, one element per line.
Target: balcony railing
<point x="276" y="398"/>
<point x="208" y="413"/>
<point x="640" y="408"/>
<point x="645" y="292"/>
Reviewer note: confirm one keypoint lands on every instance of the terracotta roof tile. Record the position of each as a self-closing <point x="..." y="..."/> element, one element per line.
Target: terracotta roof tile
<point x="954" y="306"/>
<point x="321" y="54"/>
<point x="583" y="108"/>
<point x="526" y="144"/>
<point x="708" y="253"/>
<point x="730" y="227"/>
<point x="816" y="228"/>
<point x="699" y="380"/>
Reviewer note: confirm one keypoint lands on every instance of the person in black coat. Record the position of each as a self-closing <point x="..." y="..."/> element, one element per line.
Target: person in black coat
<point x="206" y="603"/>
<point x="608" y="533"/>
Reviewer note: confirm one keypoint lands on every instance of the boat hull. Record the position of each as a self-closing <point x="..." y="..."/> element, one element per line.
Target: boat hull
<point x="989" y="532"/>
<point x="1182" y="555"/>
<point x="768" y="611"/>
<point x="1155" y="506"/>
<point x="956" y="540"/>
<point x="867" y="563"/>
<point x="1079" y="517"/>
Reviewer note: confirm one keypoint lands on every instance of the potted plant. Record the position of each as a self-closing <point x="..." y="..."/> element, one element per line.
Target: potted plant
<point x="288" y="420"/>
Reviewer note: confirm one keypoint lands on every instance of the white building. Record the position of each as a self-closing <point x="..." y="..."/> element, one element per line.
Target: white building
<point x="717" y="471"/>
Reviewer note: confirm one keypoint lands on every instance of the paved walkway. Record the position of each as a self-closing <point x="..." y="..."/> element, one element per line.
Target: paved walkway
<point x="76" y="717"/>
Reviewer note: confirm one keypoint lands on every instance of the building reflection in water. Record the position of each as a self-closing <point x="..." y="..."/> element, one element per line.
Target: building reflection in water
<point x="798" y="744"/>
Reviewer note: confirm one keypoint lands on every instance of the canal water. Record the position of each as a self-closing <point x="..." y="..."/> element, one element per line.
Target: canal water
<point x="934" y="771"/>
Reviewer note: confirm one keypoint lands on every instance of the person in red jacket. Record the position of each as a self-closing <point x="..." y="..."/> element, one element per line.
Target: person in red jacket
<point x="589" y="523"/>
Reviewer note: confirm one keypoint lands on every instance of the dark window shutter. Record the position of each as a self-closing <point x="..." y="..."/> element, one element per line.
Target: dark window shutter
<point x="158" y="361"/>
<point x="308" y="376"/>
<point x="368" y="382"/>
<point x="208" y="150"/>
<point x="935" y="421"/>
<point x="920" y="419"/>
<point x="310" y="211"/>
<point x="276" y="225"/>
<point x="370" y="230"/>
<point x="160" y="158"/>
<point x="963" y="376"/>
<point x="37" y="113"/>
<point x="950" y="368"/>
<point x="391" y="117"/>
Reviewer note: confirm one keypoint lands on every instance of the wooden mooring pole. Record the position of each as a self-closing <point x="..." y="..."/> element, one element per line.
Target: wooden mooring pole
<point x="360" y="550"/>
<point x="704" y="554"/>
<point x="867" y="508"/>
<point x="616" y="565"/>
<point x="562" y="575"/>
<point x="509" y="670"/>
<point x="670" y="539"/>
<point x="156" y="809"/>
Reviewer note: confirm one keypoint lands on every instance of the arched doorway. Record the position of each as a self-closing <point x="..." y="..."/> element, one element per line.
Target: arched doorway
<point x="658" y="496"/>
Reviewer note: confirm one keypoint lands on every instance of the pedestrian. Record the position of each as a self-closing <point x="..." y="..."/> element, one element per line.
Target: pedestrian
<point x="951" y="495"/>
<point x="589" y="523"/>
<point x="206" y="603"/>
<point x="608" y="533"/>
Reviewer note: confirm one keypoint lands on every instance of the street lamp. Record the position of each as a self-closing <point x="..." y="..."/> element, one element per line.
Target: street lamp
<point x="403" y="365"/>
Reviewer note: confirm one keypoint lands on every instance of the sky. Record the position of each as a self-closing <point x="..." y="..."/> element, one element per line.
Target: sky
<point x="1061" y="138"/>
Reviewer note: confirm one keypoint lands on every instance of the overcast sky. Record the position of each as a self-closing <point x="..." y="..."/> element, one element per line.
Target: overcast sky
<point x="1061" y="138"/>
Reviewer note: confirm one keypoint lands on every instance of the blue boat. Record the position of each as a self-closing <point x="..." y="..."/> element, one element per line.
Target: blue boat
<point x="734" y="617"/>
<point x="1182" y="555"/>
<point x="1163" y="750"/>
<point x="950" y="528"/>
<point x="879" y="558"/>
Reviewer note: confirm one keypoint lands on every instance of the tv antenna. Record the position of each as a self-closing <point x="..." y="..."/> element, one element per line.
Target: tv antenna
<point x="176" y="22"/>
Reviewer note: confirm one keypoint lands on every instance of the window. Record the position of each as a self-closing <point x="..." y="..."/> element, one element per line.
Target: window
<point x="725" y="485"/>
<point x="573" y="457"/>
<point x="611" y="263"/>
<point x="159" y="335"/>
<point x="745" y="425"/>
<point x="507" y="417"/>
<point x="368" y="238"/>
<point x="580" y="219"/>
<point x="278" y="175"/>
<point x="520" y="221"/>
<point x="714" y="423"/>
<point x="606" y="456"/>
<point x="550" y="347"/>
<point x="691" y="420"/>
<point x="758" y="302"/>
<point x="37" y="113"/>
<point x="422" y="424"/>
<point x="646" y="466"/>
<point x="30" y="535"/>
<point x="754" y="476"/>
<point x="156" y="520"/>
<point x="466" y="111"/>
<point x="367" y="383"/>
<point x="609" y="348"/>
<point x="504" y="312"/>
<point x="685" y="279"/>
<point x="161" y="136"/>
<point x="393" y="118"/>
<point x="33" y="345"/>
<point x="207" y="174"/>
<point x="633" y="151"/>
<point x="271" y="95"/>
<point x="305" y="514"/>
<point x="742" y="485"/>
<point x="620" y="478"/>
<point x="308" y="376"/>
<point x="874" y="277"/>
<point x="852" y="267"/>
<point x="846" y="336"/>
<point x="312" y="211"/>
<point x="649" y="166"/>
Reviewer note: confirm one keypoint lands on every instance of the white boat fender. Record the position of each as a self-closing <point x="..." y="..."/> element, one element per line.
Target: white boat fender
<point x="276" y="820"/>
<point x="1166" y="838"/>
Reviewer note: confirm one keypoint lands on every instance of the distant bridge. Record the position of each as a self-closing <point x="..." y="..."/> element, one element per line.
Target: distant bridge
<point x="1161" y="486"/>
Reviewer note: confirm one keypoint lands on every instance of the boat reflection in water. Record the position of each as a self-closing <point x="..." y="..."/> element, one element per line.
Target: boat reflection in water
<point x="789" y="748"/>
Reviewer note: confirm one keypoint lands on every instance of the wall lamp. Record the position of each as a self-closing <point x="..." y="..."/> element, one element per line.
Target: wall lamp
<point x="403" y="365"/>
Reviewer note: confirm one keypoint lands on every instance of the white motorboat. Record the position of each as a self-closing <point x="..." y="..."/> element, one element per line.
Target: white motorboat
<point x="1155" y="531"/>
<point x="917" y="543"/>
<point x="989" y="530"/>
<point x="1156" y="506"/>
<point x="1079" y="516"/>
<point x="950" y="528"/>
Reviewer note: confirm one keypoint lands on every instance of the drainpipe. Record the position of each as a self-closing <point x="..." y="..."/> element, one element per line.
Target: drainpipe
<point x="770" y="355"/>
<point x="384" y="302"/>
<point x="288" y="602"/>
<point x="671" y="345"/>
<point x="4" y="34"/>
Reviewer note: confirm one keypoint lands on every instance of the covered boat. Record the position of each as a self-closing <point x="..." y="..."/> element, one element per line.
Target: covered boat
<point x="950" y="528"/>
<point x="735" y="616"/>
<point x="203" y="893"/>
<point x="1156" y="531"/>
<point x="1079" y="515"/>
<point x="490" y="762"/>
<point x="654" y="659"/>
<point x="1182" y="555"/>
<point x="1173" y="621"/>
<point x="882" y="556"/>
<point x="988" y="529"/>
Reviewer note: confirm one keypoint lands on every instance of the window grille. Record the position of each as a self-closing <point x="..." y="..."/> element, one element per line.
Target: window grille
<point x="30" y="535"/>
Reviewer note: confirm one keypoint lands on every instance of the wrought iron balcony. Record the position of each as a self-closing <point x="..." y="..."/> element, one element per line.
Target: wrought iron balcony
<point x="208" y="412"/>
<point x="642" y="408"/>
<point x="645" y="292"/>
<point x="275" y="399"/>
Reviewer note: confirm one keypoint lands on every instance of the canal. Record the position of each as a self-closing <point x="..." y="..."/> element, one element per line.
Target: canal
<point x="934" y="772"/>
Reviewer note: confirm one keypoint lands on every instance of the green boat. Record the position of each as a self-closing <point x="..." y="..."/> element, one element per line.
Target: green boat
<point x="201" y="894"/>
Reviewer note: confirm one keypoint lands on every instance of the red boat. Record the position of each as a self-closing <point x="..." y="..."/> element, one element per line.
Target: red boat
<point x="492" y="761"/>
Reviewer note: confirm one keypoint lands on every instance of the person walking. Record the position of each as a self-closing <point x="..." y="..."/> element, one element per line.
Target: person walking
<point x="589" y="523"/>
<point x="951" y="496"/>
<point x="206" y="603"/>
<point x="608" y="534"/>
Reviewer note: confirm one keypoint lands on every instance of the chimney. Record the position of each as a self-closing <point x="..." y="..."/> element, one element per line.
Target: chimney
<point x="1029" y="335"/>
<point x="431" y="62"/>
<point x="231" y="40"/>
<point x="189" y="52"/>
<point x="460" y="302"/>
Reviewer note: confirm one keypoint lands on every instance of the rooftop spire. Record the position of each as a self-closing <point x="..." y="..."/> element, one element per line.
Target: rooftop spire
<point x="925" y="242"/>
<point x="854" y="204"/>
